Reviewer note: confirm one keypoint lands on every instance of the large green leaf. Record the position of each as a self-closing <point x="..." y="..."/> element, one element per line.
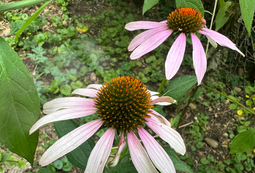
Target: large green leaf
<point x="148" y="4"/>
<point x="80" y="155"/>
<point x="177" y="88"/>
<point x="178" y="164"/>
<point x="244" y="141"/>
<point x="221" y="17"/>
<point x="197" y="4"/>
<point x="247" y="10"/>
<point x="20" y="4"/>
<point x="19" y="104"/>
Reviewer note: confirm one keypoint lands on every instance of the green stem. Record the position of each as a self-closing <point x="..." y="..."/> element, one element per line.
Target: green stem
<point x="214" y="10"/>
<point x="163" y="83"/>
<point x="230" y="99"/>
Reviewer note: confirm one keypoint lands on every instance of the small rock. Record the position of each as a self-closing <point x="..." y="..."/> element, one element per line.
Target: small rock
<point x="225" y="135"/>
<point x="93" y="76"/>
<point x="237" y="89"/>
<point x="216" y="115"/>
<point x="192" y="106"/>
<point x="210" y="109"/>
<point x="211" y="142"/>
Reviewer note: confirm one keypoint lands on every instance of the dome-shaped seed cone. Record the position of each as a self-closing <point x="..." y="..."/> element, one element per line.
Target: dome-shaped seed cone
<point x="123" y="103"/>
<point x="185" y="19"/>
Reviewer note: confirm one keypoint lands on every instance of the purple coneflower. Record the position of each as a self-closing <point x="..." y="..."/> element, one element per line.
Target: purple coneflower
<point x="184" y="20"/>
<point x="124" y="106"/>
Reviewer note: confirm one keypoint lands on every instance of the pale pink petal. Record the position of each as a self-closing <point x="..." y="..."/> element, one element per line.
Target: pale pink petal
<point x="157" y="154"/>
<point x="85" y="92"/>
<point x="70" y="141"/>
<point x="139" y="156"/>
<point x="150" y="44"/>
<point x="158" y="117"/>
<point x="60" y="115"/>
<point x="154" y="93"/>
<point x="199" y="58"/>
<point x="175" y="56"/>
<point x="68" y="102"/>
<point x="220" y="39"/>
<point x="172" y="137"/>
<point x="163" y="100"/>
<point x="143" y="25"/>
<point x="94" y="86"/>
<point x="121" y="146"/>
<point x="139" y="39"/>
<point x="100" y="153"/>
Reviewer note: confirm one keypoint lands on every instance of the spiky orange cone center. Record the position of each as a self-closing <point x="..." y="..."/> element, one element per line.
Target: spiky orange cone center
<point x="123" y="103"/>
<point x="186" y="20"/>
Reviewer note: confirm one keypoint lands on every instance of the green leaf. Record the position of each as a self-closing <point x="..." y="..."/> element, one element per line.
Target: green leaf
<point x="247" y="10"/>
<point x="221" y="18"/>
<point x="177" y="88"/>
<point x="125" y="166"/>
<point x="80" y="155"/>
<point x="66" y="90"/>
<point x="19" y="104"/>
<point x="20" y="4"/>
<point x="233" y="106"/>
<point x="243" y="141"/>
<point x="178" y="164"/>
<point x="58" y="164"/>
<point x="197" y="4"/>
<point x="30" y="20"/>
<point x="148" y="4"/>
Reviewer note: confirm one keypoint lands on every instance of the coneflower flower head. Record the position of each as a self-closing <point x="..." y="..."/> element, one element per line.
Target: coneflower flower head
<point x="124" y="106"/>
<point x="185" y="21"/>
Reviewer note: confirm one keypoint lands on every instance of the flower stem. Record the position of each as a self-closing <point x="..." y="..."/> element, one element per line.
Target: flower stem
<point x="230" y="99"/>
<point x="214" y="9"/>
<point x="163" y="83"/>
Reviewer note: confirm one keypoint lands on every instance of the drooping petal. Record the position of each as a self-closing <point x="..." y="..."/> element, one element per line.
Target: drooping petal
<point x="211" y="41"/>
<point x="94" y="86"/>
<point x="139" y="156"/>
<point x="220" y="39"/>
<point x="143" y="25"/>
<point x="199" y="58"/>
<point x="139" y="39"/>
<point x="150" y="44"/>
<point x="158" y="117"/>
<point x="122" y="144"/>
<point x="163" y="100"/>
<point x="157" y="154"/>
<point x="100" y="153"/>
<point x="85" y="92"/>
<point x="60" y="115"/>
<point x="66" y="103"/>
<point x="70" y="141"/>
<point x="172" y="137"/>
<point x="175" y="56"/>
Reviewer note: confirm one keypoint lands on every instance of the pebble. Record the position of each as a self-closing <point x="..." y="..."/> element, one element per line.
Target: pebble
<point x="192" y="106"/>
<point x="211" y="142"/>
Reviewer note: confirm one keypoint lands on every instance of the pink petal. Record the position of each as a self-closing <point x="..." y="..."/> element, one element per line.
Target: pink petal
<point x="60" y="115"/>
<point x="175" y="56"/>
<point x="100" y="153"/>
<point x="172" y="137"/>
<point x="139" y="156"/>
<point x="70" y="141"/>
<point x="139" y="39"/>
<point x="85" y="92"/>
<point x="143" y="25"/>
<point x="67" y="102"/>
<point x="163" y="100"/>
<point x="121" y="146"/>
<point x="158" y="117"/>
<point x="157" y="154"/>
<point x="94" y="86"/>
<point x="199" y="58"/>
<point x="220" y="39"/>
<point x="151" y="43"/>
